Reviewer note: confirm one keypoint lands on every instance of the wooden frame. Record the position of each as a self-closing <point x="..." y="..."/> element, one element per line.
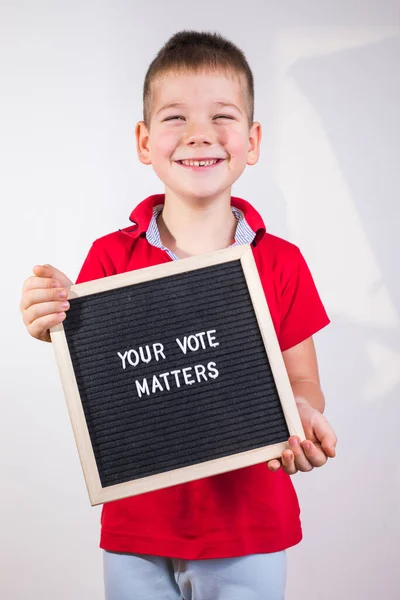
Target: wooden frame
<point x="99" y="494"/>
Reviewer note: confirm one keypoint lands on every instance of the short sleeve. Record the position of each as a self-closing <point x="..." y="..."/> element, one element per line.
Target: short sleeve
<point x="302" y="311"/>
<point x="95" y="266"/>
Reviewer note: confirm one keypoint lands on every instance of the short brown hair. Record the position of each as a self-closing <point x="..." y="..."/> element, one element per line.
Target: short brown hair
<point x="196" y="51"/>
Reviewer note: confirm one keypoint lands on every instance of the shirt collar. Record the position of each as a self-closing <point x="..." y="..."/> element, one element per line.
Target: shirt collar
<point x="142" y="215"/>
<point x="243" y="235"/>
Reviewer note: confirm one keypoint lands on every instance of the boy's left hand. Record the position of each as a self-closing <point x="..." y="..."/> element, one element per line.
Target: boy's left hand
<point x="319" y="445"/>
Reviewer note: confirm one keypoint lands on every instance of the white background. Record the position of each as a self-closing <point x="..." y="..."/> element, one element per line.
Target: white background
<point x="328" y="96"/>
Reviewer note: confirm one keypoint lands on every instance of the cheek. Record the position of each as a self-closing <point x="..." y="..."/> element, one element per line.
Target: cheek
<point x="237" y="143"/>
<point x="164" y="144"/>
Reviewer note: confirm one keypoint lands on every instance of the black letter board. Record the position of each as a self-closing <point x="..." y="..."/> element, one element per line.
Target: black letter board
<point x="173" y="373"/>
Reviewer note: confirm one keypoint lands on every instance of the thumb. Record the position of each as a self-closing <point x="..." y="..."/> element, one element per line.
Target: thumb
<point x="326" y="436"/>
<point x="49" y="271"/>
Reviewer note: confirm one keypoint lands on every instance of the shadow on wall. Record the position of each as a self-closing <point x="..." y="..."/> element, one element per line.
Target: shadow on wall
<point x="366" y="141"/>
<point x="366" y="138"/>
<point x="356" y="93"/>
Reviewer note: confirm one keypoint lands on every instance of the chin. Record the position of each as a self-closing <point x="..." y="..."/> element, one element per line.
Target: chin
<point x="201" y="195"/>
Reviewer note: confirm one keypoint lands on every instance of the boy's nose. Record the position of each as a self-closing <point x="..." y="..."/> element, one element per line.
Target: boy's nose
<point x="200" y="135"/>
<point x="200" y="139"/>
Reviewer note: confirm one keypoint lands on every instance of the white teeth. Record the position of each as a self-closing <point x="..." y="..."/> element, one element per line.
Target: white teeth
<point x="197" y="163"/>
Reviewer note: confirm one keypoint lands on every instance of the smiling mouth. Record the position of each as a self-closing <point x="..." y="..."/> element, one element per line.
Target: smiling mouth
<point x="200" y="164"/>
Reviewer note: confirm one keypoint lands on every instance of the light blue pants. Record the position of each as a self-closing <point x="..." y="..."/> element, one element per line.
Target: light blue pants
<point x="145" y="577"/>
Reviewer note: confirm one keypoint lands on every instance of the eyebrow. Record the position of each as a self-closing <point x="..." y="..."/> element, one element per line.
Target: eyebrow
<point x="182" y="104"/>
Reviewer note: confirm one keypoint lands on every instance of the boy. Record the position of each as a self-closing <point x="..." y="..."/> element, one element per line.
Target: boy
<point x="222" y="537"/>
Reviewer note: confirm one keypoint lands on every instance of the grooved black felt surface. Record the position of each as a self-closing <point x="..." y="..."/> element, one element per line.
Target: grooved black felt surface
<point x="132" y="436"/>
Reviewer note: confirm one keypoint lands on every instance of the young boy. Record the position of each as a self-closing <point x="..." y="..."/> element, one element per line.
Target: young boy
<point x="222" y="537"/>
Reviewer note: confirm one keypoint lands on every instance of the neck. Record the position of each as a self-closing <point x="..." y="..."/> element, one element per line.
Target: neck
<point x="191" y="227"/>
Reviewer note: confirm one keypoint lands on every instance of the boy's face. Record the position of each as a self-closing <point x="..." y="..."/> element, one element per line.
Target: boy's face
<point x="209" y="122"/>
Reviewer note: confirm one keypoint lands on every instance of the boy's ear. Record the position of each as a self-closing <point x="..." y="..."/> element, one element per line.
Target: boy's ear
<point x="255" y="136"/>
<point x="142" y="142"/>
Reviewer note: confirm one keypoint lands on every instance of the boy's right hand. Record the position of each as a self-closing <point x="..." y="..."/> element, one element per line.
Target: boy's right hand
<point x="44" y="300"/>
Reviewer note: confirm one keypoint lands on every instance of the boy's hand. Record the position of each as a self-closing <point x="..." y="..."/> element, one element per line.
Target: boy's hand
<point x="319" y="445"/>
<point x="44" y="300"/>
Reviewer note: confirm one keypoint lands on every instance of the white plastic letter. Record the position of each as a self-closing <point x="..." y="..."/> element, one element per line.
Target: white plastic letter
<point x="200" y="372"/>
<point x="142" y="389"/>
<point x="165" y="378"/>
<point x="195" y="345"/>
<point x="201" y="338"/>
<point x="211" y="338"/>
<point x="176" y="374"/>
<point x="123" y="358"/>
<point x="145" y="359"/>
<point x="136" y="358"/>
<point x="183" y="346"/>
<point x="188" y="376"/>
<point x="158" y="349"/>
<point x="156" y="385"/>
<point x="212" y="370"/>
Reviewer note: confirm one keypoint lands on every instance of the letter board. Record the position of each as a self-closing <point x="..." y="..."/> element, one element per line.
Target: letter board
<point x="173" y="373"/>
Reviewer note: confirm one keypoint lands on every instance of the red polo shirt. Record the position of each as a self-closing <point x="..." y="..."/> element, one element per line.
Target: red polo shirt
<point x="246" y="511"/>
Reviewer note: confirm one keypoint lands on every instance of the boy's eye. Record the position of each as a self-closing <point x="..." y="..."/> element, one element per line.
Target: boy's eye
<point x="180" y="117"/>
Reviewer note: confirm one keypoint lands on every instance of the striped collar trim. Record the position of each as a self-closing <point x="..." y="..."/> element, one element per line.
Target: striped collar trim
<point x="244" y="233"/>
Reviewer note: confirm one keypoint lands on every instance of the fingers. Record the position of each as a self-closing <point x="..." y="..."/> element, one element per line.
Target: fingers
<point x="314" y="454"/>
<point x="42" y="282"/>
<point x="304" y="456"/>
<point x="42" y="309"/>
<point x="50" y="272"/>
<point x="326" y="435"/>
<point x="300" y="461"/>
<point x="39" y="328"/>
<point x="328" y="444"/>
<point x="274" y="465"/>
<point x="41" y="316"/>
<point x="44" y="300"/>
<point x="301" y="456"/>
<point x="288" y="463"/>
<point x="41" y="290"/>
